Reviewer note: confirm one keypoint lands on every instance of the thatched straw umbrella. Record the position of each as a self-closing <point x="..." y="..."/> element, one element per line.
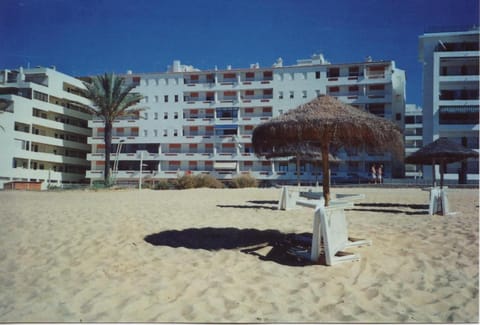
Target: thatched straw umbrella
<point x="333" y="124"/>
<point x="441" y="151"/>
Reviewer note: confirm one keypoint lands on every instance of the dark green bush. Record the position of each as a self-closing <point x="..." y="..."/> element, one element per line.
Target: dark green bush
<point x="163" y="184"/>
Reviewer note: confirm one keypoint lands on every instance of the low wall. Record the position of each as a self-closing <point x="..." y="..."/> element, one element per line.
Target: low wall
<point x="23" y="186"/>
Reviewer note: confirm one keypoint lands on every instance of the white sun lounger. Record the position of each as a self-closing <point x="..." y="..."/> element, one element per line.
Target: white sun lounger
<point x="330" y="227"/>
<point x="290" y="199"/>
<point x="438" y="202"/>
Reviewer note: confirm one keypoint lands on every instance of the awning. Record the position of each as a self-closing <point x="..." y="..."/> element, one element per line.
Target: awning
<point x="225" y="165"/>
<point x="459" y="109"/>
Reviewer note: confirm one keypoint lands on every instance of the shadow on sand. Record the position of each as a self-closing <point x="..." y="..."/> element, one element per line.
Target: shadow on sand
<point x="257" y="204"/>
<point x="267" y="245"/>
<point x="402" y="208"/>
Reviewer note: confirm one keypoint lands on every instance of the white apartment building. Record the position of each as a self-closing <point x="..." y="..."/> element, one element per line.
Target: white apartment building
<point x="44" y="127"/>
<point x="413" y="134"/>
<point x="451" y="81"/>
<point x="202" y="121"/>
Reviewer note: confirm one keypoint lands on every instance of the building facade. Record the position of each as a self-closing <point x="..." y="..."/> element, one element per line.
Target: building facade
<point x="451" y="83"/>
<point x="44" y="128"/>
<point x="413" y="134"/>
<point x="202" y="121"/>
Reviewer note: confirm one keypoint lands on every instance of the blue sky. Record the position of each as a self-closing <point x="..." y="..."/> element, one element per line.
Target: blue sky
<point x="86" y="37"/>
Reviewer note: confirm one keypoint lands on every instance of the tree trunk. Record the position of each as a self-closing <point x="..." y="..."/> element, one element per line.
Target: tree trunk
<point x="326" y="173"/>
<point x="108" y="150"/>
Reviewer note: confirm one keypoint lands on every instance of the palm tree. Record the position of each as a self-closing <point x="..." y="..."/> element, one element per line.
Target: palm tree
<point x="111" y="99"/>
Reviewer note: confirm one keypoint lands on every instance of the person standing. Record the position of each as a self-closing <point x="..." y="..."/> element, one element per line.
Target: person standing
<point x="374" y="174"/>
<point x="380" y="174"/>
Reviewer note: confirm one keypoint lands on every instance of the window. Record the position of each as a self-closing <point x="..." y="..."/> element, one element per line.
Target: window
<point x="333" y="89"/>
<point x="175" y="115"/>
<point x="146" y="99"/>
<point x="398" y="116"/>
<point x="175" y="133"/>
<point x="165" y="115"/>
<point x="267" y="75"/>
<point x="145" y="115"/>
<point x="291" y="94"/>
<point x="377" y="87"/>
<point x="333" y="73"/>
<point x="165" y="132"/>
<point x="40" y="96"/>
<point x="145" y="133"/>
<point x="409" y="119"/>
<point x="227" y="112"/>
<point x="353" y="71"/>
<point x="165" y="98"/>
<point x="280" y="95"/>
<point x="176" y="98"/>
<point x="155" y="116"/>
<point x="155" y="133"/>
<point x="459" y="114"/>
<point x="304" y="94"/>
<point x="156" y="99"/>
<point x="353" y="89"/>
<point x="317" y="74"/>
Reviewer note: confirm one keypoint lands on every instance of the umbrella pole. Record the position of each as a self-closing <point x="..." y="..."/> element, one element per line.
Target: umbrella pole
<point x="298" y="170"/>
<point x="326" y="174"/>
<point x="442" y="166"/>
<point x="433" y="173"/>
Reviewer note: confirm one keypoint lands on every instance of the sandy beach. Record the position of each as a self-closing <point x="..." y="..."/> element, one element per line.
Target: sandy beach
<point x="208" y="255"/>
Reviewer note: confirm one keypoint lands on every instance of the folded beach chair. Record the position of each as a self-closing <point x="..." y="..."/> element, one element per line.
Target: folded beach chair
<point x="330" y="228"/>
<point x="438" y="202"/>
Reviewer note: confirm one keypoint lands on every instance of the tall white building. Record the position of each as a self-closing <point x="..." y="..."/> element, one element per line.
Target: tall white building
<point x="44" y="127"/>
<point x="413" y="134"/>
<point x="202" y="121"/>
<point x="451" y="81"/>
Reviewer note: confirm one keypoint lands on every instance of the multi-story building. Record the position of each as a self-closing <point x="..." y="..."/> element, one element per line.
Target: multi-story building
<point x="413" y="134"/>
<point x="44" y="127"/>
<point x="202" y="121"/>
<point x="451" y="94"/>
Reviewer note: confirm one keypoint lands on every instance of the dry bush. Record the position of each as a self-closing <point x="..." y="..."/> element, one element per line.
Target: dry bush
<point x="244" y="180"/>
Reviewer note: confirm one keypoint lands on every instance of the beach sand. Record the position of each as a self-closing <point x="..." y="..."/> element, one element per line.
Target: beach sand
<point x="209" y="255"/>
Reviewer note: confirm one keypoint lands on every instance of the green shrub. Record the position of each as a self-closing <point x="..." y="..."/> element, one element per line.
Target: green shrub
<point x="163" y="184"/>
<point x="244" y="180"/>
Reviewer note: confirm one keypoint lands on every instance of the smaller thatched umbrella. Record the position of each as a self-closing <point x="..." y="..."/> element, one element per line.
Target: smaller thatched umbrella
<point x="305" y="151"/>
<point x="331" y="123"/>
<point x="441" y="151"/>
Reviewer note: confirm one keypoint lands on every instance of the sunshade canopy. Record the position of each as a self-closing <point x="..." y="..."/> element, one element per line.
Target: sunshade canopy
<point x="441" y="150"/>
<point x="328" y="119"/>
<point x="332" y="124"/>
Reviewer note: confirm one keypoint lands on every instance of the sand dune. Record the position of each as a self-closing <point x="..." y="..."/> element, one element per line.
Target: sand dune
<point x="220" y="256"/>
